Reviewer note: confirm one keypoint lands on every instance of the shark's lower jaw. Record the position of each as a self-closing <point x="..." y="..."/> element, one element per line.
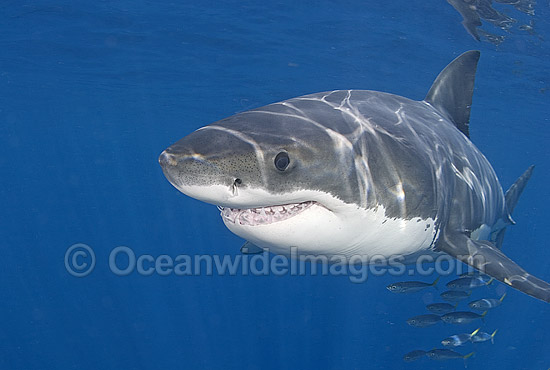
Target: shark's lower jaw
<point x="263" y="215"/>
<point x="314" y="222"/>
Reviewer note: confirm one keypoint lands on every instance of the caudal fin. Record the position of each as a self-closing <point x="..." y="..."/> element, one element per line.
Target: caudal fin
<point x="512" y="196"/>
<point x="493" y="336"/>
<point x="483" y="316"/>
<point x="467" y="357"/>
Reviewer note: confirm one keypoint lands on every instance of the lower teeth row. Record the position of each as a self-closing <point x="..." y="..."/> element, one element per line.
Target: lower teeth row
<point x="264" y="215"/>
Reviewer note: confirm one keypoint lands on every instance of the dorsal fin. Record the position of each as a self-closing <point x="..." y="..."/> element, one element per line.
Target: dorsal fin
<point x="451" y="92"/>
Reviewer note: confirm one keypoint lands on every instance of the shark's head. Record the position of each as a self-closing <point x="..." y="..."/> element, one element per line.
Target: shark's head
<point x="278" y="178"/>
<point x="295" y="174"/>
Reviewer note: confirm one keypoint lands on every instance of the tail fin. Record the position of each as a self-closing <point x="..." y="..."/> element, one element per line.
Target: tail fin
<point x="493" y="336"/>
<point x="467" y="357"/>
<point x="512" y="196"/>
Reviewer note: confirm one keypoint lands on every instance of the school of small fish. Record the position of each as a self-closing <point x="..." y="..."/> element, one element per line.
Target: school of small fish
<point x="449" y="313"/>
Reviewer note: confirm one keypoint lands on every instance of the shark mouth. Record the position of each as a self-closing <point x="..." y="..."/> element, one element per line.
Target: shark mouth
<point x="263" y="215"/>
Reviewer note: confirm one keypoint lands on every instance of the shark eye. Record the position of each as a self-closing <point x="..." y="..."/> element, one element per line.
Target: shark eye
<point x="282" y="161"/>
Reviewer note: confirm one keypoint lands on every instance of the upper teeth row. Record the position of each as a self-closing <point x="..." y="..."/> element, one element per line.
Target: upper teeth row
<point x="263" y="215"/>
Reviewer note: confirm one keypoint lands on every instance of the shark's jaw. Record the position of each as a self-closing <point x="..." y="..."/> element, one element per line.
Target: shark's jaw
<point x="313" y="223"/>
<point x="263" y="215"/>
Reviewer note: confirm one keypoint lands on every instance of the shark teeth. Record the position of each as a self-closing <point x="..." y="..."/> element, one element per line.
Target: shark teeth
<point x="263" y="215"/>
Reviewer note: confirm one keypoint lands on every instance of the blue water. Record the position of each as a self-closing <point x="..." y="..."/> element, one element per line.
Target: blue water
<point x="92" y="91"/>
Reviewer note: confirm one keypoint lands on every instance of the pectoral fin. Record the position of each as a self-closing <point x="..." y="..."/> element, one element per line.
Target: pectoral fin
<point x="484" y="256"/>
<point x="249" y="248"/>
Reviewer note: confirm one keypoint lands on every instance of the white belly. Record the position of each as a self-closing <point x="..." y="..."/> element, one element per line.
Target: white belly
<point x="349" y="231"/>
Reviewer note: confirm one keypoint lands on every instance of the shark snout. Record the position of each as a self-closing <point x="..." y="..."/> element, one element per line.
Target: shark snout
<point x="213" y="157"/>
<point x="185" y="168"/>
<point x="169" y="164"/>
<point x="167" y="160"/>
<point x="199" y="176"/>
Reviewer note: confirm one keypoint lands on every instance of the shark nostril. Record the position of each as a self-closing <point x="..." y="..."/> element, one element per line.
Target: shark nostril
<point x="238" y="181"/>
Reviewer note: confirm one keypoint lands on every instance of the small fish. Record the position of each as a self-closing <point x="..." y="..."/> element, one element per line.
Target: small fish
<point x="422" y="321"/>
<point x="468" y="282"/>
<point x="446" y="354"/>
<point x="487" y="303"/>
<point x="441" y="308"/>
<point x="414" y="355"/>
<point x="458" y="339"/>
<point x="483" y="337"/>
<point x="410" y="286"/>
<point x="455" y="296"/>
<point x="462" y="317"/>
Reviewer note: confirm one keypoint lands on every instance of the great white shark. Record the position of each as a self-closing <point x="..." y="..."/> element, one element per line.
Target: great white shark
<point x="358" y="173"/>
